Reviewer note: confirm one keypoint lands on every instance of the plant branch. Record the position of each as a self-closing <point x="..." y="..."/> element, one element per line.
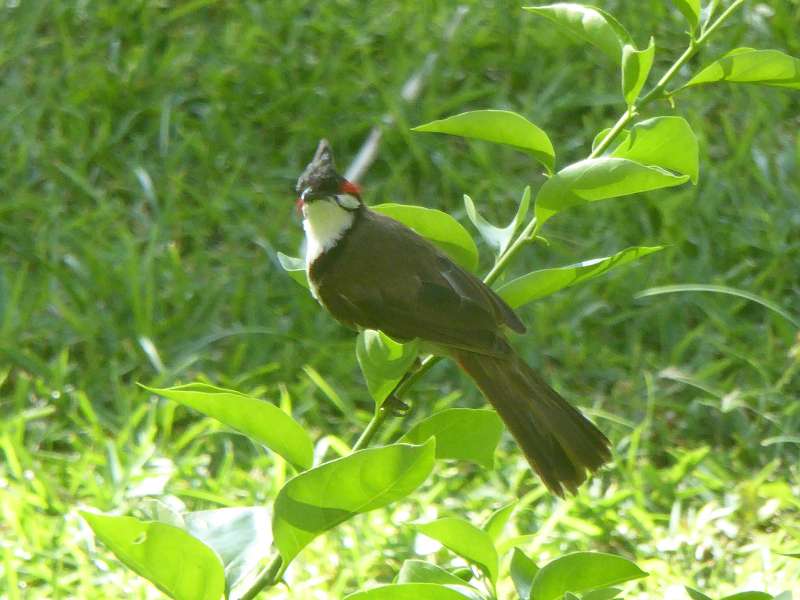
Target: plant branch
<point x="658" y="90"/>
<point x="268" y="576"/>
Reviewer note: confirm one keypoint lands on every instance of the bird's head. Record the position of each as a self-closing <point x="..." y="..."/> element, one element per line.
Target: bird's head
<point x="321" y="181"/>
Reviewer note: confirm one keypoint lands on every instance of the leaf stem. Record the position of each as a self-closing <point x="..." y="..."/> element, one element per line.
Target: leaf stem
<point x="265" y="579"/>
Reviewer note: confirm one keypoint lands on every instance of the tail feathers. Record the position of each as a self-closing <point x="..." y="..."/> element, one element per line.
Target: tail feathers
<point x="560" y="444"/>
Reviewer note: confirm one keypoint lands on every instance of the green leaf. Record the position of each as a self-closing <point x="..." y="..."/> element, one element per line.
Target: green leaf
<point x="720" y="289"/>
<point x="439" y="227"/>
<point x="523" y="572"/>
<point x="466" y="540"/>
<point x="500" y="127"/>
<point x="666" y="142"/>
<point x="322" y="498"/>
<point x="498" y="520"/>
<point x="636" y="65"/>
<point x="690" y="9"/>
<point x="178" y="564"/>
<point x="588" y="24"/>
<point x="602" y="136"/>
<point x="498" y="237"/>
<point x="416" y="591"/>
<point x="602" y="594"/>
<point x="748" y="65"/>
<point x="582" y="571"/>
<point x="596" y="179"/>
<point x="749" y="596"/>
<point x="695" y="594"/>
<point x="240" y="536"/>
<point x="461" y="434"/>
<point x="383" y="362"/>
<point x="259" y="420"/>
<point x="538" y="284"/>
<point x="420" y="571"/>
<point x="295" y="268"/>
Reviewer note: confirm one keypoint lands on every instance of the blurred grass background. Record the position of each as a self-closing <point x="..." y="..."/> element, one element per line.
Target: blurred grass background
<point x="148" y="152"/>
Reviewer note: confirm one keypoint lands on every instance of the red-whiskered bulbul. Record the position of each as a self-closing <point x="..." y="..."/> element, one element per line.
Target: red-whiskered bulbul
<point x="370" y="271"/>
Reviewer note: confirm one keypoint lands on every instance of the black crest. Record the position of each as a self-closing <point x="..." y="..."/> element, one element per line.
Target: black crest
<point x="320" y="175"/>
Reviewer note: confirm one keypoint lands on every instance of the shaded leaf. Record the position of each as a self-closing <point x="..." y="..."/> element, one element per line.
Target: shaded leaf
<point x="461" y="434"/>
<point x="178" y="564"/>
<point x="636" y="65"/>
<point x="439" y="227"/>
<point x="416" y="591"/>
<point x="498" y="237"/>
<point x="544" y="282"/>
<point x="498" y="520"/>
<point x="588" y="24"/>
<point x="383" y="362"/>
<point x="498" y="126"/>
<point x="667" y="142"/>
<point x="582" y="571"/>
<point x="240" y="536"/>
<point x="748" y="65"/>
<point x="596" y="179"/>
<point x="690" y="9"/>
<point x="466" y="540"/>
<point x="259" y="420"/>
<point x="321" y="498"/>
<point x="523" y="572"/>
<point x="295" y="267"/>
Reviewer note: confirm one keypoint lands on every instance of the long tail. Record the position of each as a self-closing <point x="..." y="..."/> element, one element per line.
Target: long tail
<point x="559" y="442"/>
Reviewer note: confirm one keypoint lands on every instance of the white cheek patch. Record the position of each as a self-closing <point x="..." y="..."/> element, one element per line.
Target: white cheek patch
<point x="324" y="222"/>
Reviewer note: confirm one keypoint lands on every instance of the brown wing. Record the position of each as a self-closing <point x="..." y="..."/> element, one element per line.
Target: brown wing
<point x="382" y="275"/>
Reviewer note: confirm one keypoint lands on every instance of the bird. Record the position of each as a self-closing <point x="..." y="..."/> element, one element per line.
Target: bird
<point x="370" y="271"/>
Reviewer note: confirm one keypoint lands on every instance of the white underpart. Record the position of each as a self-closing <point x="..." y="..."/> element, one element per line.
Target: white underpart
<point x="324" y="222"/>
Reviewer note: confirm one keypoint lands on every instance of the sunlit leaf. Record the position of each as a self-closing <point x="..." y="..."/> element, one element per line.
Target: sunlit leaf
<point x="416" y="591"/>
<point x="748" y="596"/>
<point x="582" y="571"/>
<point x="636" y="66"/>
<point x="748" y="65"/>
<point x="466" y="540"/>
<point x="498" y="237"/>
<point x="602" y="594"/>
<point x="383" y="362"/>
<point x="240" y="536"/>
<point x="544" y="282"/>
<point x="177" y="563"/>
<point x="596" y="179"/>
<point x="695" y="594"/>
<point x="418" y="571"/>
<point x="295" y="268"/>
<point x="498" y="126"/>
<point x="523" y="572"/>
<point x="461" y="434"/>
<point x="690" y="9"/>
<point x="666" y="142"/>
<point x="321" y="498"/>
<point x="259" y="420"/>
<point x="498" y="520"/>
<point x="588" y="24"/>
<point x="439" y="227"/>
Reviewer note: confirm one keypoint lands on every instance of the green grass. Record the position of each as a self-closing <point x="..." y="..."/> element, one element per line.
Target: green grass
<point x="147" y="157"/>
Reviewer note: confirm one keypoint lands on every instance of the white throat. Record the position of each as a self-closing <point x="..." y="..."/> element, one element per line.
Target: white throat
<point x="325" y="222"/>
